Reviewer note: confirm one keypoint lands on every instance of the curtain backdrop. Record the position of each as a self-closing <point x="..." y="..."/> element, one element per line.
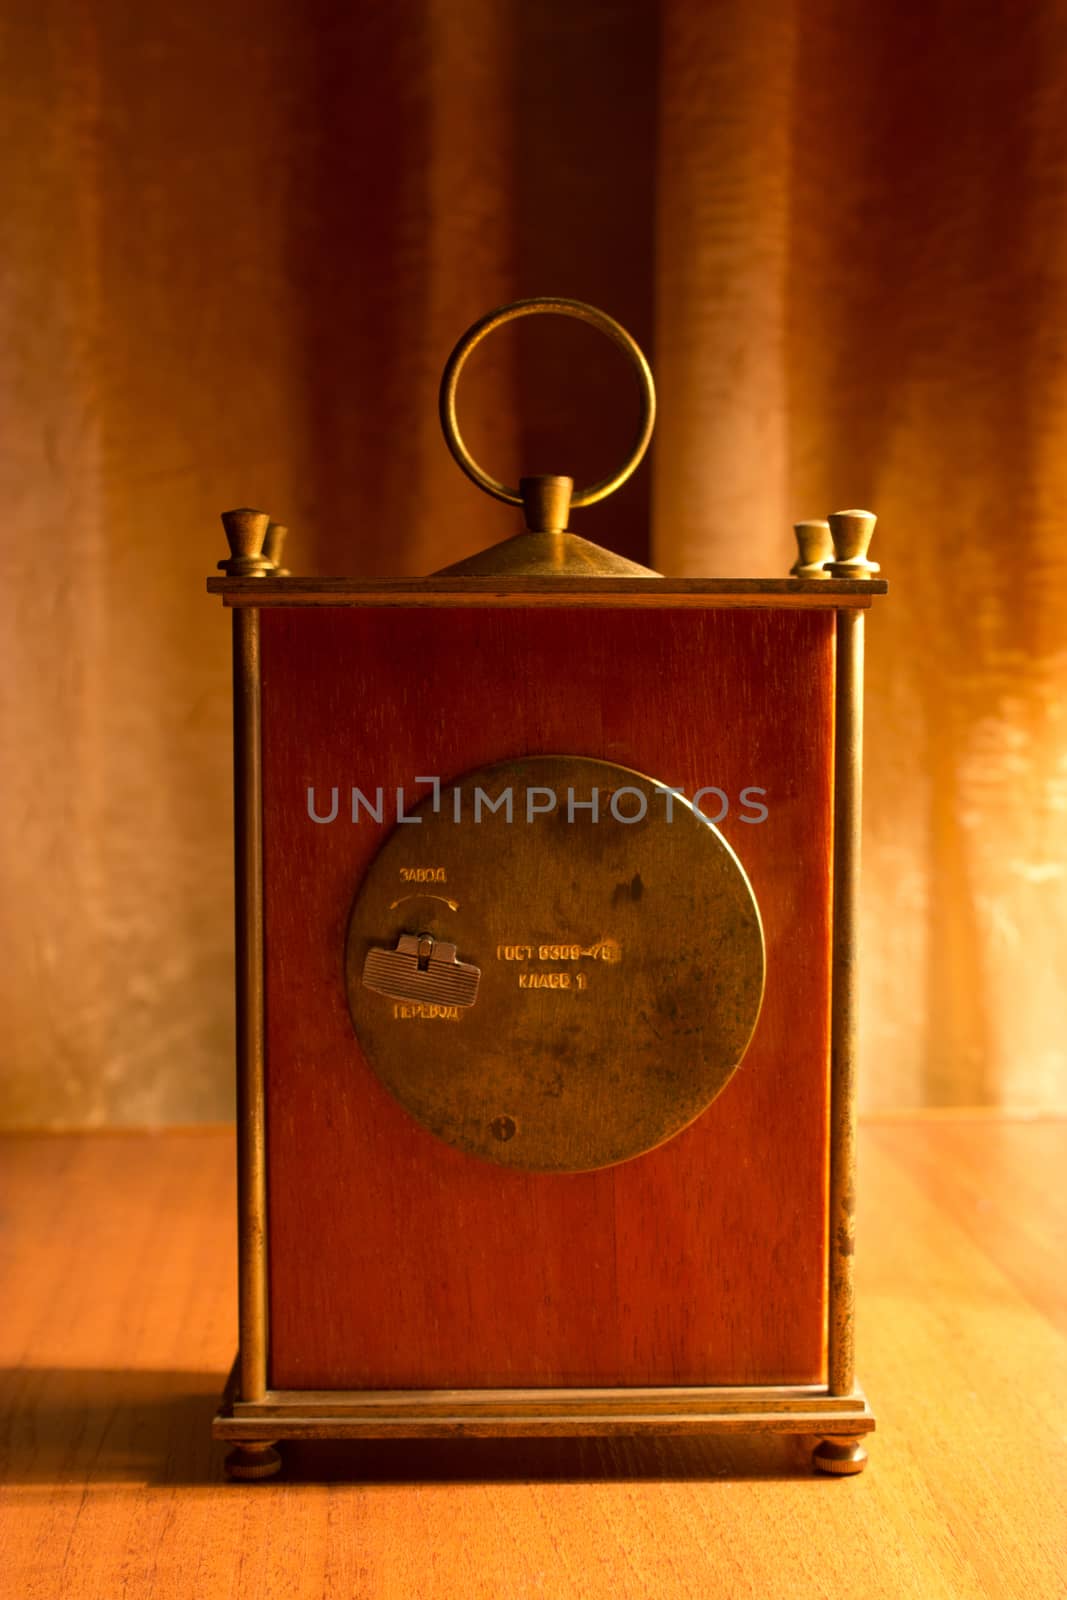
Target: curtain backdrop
<point x="239" y="242"/>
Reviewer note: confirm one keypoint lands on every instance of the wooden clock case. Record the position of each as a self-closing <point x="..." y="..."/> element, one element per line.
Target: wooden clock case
<point x="391" y="1285"/>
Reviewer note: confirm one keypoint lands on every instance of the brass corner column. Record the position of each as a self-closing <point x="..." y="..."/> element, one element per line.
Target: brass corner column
<point x="851" y="532"/>
<point x="246" y="531"/>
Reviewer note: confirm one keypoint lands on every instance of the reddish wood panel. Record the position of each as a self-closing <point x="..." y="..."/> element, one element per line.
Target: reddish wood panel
<point x="397" y="1261"/>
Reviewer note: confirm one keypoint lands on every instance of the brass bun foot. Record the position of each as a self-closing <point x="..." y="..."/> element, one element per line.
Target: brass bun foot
<point x="841" y="1457"/>
<point x="248" y="1462"/>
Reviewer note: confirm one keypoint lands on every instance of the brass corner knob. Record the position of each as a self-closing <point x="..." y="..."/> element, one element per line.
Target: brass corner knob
<point x="815" y="548"/>
<point x="245" y="532"/>
<point x="842" y="1458"/>
<point x="851" y="532"/>
<point x="275" y="538"/>
<point x="546" y="503"/>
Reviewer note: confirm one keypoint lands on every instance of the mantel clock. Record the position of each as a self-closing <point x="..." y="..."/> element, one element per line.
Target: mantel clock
<point x="546" y="878"/>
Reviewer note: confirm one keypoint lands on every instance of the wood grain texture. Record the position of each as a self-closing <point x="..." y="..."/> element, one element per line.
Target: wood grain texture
<point x="118" y="1262"/>
<point x="398" y="1262"/>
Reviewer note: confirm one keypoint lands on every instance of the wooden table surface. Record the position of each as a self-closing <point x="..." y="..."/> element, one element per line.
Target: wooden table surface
<point x="118" y="1327"/>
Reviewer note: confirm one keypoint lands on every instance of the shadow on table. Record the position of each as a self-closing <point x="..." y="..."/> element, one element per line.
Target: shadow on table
<point x="78" y="1426"/>
<point x="73" y="1426"/>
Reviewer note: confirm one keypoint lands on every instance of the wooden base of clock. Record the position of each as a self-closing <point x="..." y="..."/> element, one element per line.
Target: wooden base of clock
<point x="837" y="1422"/>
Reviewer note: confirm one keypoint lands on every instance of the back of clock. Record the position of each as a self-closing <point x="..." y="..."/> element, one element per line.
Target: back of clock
<point x="546" y="905"/>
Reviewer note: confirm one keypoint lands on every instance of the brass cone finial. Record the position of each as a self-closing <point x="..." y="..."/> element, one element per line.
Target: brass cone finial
<point x="546" y="555"/>
<point x="245" y="532"/>
<point x="815" y="548"/>
<point x="851" y="532"/>
<point x="546" y="503"/>
<point x="547" y="549"/>
<point x="276" y="535"/>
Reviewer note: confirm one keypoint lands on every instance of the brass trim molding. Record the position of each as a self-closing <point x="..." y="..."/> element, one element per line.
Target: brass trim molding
<point x="488" y="1413"/>
<point x="248" y="911"/>
<point x="827" y="594"/>
<point x="848" y="795"/>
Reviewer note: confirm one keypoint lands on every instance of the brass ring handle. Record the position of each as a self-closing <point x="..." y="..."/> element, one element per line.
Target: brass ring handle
<point x="563" y="308"/>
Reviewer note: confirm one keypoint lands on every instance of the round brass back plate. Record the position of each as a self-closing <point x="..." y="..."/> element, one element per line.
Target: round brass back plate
<point x="620" y="957"/>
